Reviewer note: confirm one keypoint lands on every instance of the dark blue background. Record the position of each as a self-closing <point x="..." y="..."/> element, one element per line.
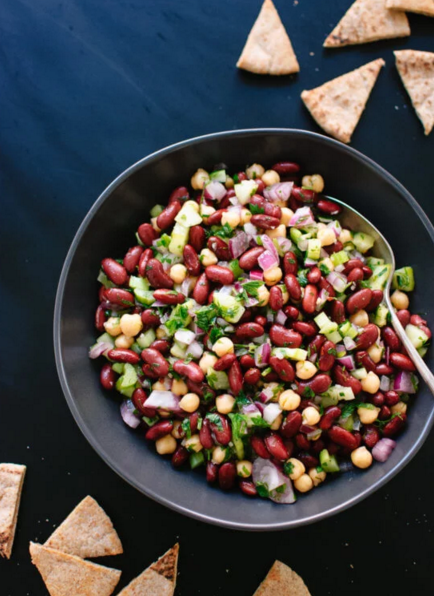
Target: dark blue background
<point x="87" y="88"/>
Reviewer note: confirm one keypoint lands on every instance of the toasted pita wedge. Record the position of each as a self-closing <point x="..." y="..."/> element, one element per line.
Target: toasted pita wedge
<point x="425" y="7"/>
<point x="66" y="575"/>
<point x="282" y="581"/>
<point x="366" y="21"/>
<point x="268" y="49"/>
<point x="11" y="486"/>
<point x="417" y="73"/>
<point x="86" y="532"/>
<point x="338" y="105"/>
<point x="157" y="580"/>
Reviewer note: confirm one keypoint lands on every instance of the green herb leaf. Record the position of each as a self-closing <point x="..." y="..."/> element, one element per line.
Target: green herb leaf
<point x="288" y="468"/>
<point x="262" y="489"/>
<point x="256" y="209"/>
<point x="186" y="427"/>
<point x="259" y="422"/>
<point x="215" y="419"/>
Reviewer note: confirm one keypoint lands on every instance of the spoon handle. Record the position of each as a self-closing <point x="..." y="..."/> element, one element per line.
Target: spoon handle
<point x="417" y="359"/>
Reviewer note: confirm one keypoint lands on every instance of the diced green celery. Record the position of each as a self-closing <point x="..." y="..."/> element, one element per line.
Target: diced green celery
<point x="136" y="348"/>
<point x="328" y="401"/>
<point x="403" y="279"/>
<point x="179" y="237"/>
<point x="363" y="242"/>
<point x="235" y="268"/>
<point x="187" y="217"/>
<point x="217" y="379"/>
<point x="118" y="367"/>
<point x="239" y="431"/>
<point x="231" y="309"/>
<point x="245" y="190"/>
<point x="127" y="391"/>
<point x="328" y="462"/>
<point x="104" y="280"/>
<point x="106" y="338"/>
<point x="179" y="318"/>
<point x="291" y="353"/>
<point x="380" y="315"/>
<point x="333" y="336"/>
<point x="347" y="423"/>
<point x="295" y="234"/>
<point x="156" y="210"/>
<point x="372" y="262"/>
<point x="322" y="320"/>
<point x="339" y="392"/>
<point x="178" y="350"/>
<point x="347" y="330"/>
<point x="313" y="249"/>
<point x="359" y="373"/>
<point x="339" y="258"/>
<point x="138" y="283"/>
<point x="145" y="339"/>
<point x="422" y="351"/>
<point x="163" y="243"/>
<point x="129" y="378"/>
<point x="218" y="175"/>
<point x="417" y="337"/>
<point x="379" y="277"/>
<point x="138" y="239"/>
<point x="145" y="297"/>
<point x="196" y="460"/>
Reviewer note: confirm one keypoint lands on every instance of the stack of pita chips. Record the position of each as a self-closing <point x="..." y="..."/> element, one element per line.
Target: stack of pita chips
<point x="425" y="7"/>
<point x="11" y="486"/>
<point x="282" y="581"/>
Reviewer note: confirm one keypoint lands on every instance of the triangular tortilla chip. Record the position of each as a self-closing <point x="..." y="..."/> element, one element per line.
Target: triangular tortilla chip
<point x="425" y="7"/>
<point x="338" y="105"/>
<point x="86" y="532"/>
<point x="66" y="575"/>
<point x="417" y="73"/>
<point x="268" y="49"/>
<point x="366" y="21"/>
<point x="11" y="485"/>
<point x="157" y="580"/>
<point x="282" y="581"/>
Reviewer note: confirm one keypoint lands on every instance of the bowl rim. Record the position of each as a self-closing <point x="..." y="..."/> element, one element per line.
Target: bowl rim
<point x="81" y="422"/>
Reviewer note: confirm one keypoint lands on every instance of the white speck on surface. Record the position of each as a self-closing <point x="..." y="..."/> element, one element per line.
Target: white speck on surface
<point x="311" y="53"/>
<point x="396" y="107"/>
<point x="316" y="69"/>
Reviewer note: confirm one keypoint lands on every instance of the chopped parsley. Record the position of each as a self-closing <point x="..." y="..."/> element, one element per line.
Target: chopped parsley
<point x="251" y="287"/>
<point x="302" y="277"/>
<point x="256" y="209"/>
<point x="262" y="489"/>
<point x="186" y="427"/>
<point x="215" y="334"/>
<point x="215" y="419"/>
<point x="225" y="231"/>
<point x="259" y="422"/>
<point x="206" y="316"/>
<point x="288" y="468"/>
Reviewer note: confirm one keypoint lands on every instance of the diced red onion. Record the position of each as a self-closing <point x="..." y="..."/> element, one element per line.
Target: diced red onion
<point x="323" y="254"/>
<point x="358" y="255"/>
<point x="267" y="473"/>
<point x="184" y="336"/>
<point x="337" y="280"/>
<point x="281" y="317"/>
<point x="260" y="406"/>
<point x="339" y="268"/>
<point x="262" y="355"/>
<point x="313" y="357"/>
<point x="98" y="349"/>
<point x="256" y="275"/>
<point x="403" y="383"/>
<point x="251" y="409"/>
<point x="387" y="355"/>
<point x="340" y="350"/>
<point x="349" y="343"/>
<point x="159" y="304"/>
<point x="270" y="316"/>
<point x="357" y="424"/>
<point x="302" y="218"/>
<point x="303" y="244"/>
<point x="238" y="244"/>
<point x="285" y="244"/>
<point x="271" y="412"/>
<point x="314" y="435"/>
<point x="336" y="227"/>
<point x="194" y="350"/>
<point x="127" y="413"/>
<point x="214" y="191"/>
<point x="307" y="428"/>
<point x="235" y="209"/>
<point x="383" y="449"/>
<point x="266" y="395"/>
<point x="187" y="286"/>
<point x="278" y="192"/>
<point x="165" y="400"/>
<point x="268" y="244"/>
<point x="322" y="299"/>
<point x="310" y="262"/>
<point x="250" y="229"/>
<point x="384" y="383"/>
<point x="225" y="290"/>
<point x="267" y="261"/>
<point x="347" y="361"/>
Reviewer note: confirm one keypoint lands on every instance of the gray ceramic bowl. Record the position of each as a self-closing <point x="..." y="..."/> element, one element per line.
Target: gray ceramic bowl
<point x="108" y="230"/>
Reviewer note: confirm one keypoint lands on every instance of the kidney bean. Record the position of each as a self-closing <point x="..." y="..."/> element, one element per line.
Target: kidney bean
<point x="293" y="286"/>
<point x="107" y="377"/>
<point x="318" y="384"/>
<point x="138" y="398"/>
<point x="404" y="317"/>
<point x="265" y="222"/>
<point x="304" y="195"/>
<point x="426" y="330"/>
<point x="222" y="432"/>
<point x="390" y="338"/>
<point x="395" y="425"/>
<point x="283" y="368"/>
<point x="132" y="258"/>
<point x="329" y="207"/>
<point x="308" y="460"/>
<point x="180" y="193"/>
<point x="307" y="328"/>
<point x="280" y="336"/>
<point x="290" y="263"/>
<point x="212" y="471"/>
<point x="352" y="264"/>
<point x="291" y="312"/>
<point x="150" y="319"/>
<point x="180" y="457"/>
<point x="235" y="378"/>
<point x="145" y="257"/>
<point x="391" y="398"/>
<point x="371" y="435"/>
<point x="276" y="447"/>
<point x="227" y="475"/>
<point x="325" y="285"/>
<point x="191" y="260"/>
<point x="194" y="421"/>
<point x="169" y="296"/>
<point x="343" y="437"/>
<point x="368" y="337"/>
<point x="219" y="274"/>
<point x="197" y="238"/>
<point x="215" y="218"/>
<point x="385" y="413"/>
<point x="219" y="247"/>
<point x="316" y="344"/>
<point x="260" y="320"/>
<point x="247" y="361"/>
<point x="249" y="331"/>
<point x="202" y="389"/>
<point x="291" y="424"/>
<point x="355" y="274"/>
<point x="156" y="275"/>
<point x="258" y="201"/>
<point x="114" y="271"/>
<point x="161" y="345"/>
<point x="327" y="356"/>
<point x="365" y="360"/>
<point x="252" y="376"/>
<point x="336" y="247"/>
<point x="119" y="297"/>
<point x="344" y="378"/>
<point x="384" y="369"/>
<point x="191" y="370"/>
<point x="401" y="361"/>
<point x="272" y="210"/>
<point x="160" y="429"/>
<point x="101" y="294"/>
<point x="417" y="320"/>
<point x="205" y="435"/>
<point x="100" y="318"/>
<point x="286" y="167"/>
<point x="248" y="488"/>
<point x="332" y="448"/>
<point x="359" y="300"/>
<point x="123" y="355"/>
<point x="225" y="362"/>
<point x="270" y="377"/>
<point x="167" y="216"/>
<point x="201" y="289"/>
<point x="317" y="446"/>
<point x="377" y="298"/>
<point x="309" y="299"/>
<point x="247" y="316"/>
<point x="276" y="298"/>
<point x="377" y="400"/>
<point x="331" y="414"/>
<point x="156" y="361"/>
<point x="314" y="275"/>
<point x="367" y="272"/>
<point x="147" y="234"/>
<point x="259" y="447"/>
<point x="302" y="442"/>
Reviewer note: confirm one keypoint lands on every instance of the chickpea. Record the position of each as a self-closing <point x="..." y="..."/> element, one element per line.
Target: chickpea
<point x="305" y="370"/>
<point x="177" y="430"/>
<point x="400" y="300"/>
<point x="285" y="294"/>
<point x="371" y="383"/>
<point x="263" y="296"/>
<point x="166" y="445"/>
<point x="286" y="216"/>
<point x="207" y="257"/>
<point x="311" y="416"/>
<point x="304" y="484"/>
<point x="206" y="210"/>
<point x="360" y="318"/>
<point x="233" y="218"/>
<point x="199" y="178"/>
<point x="345" y="236"/>
<point x="159" y="386"/>
<point x="255" y="171"/>
<point x="368" y="415"/>
<point x="327" y="262"/>
<point x="375" y="353"/>
<point x="273" y="276"/>
<point x="193" y="444"/>
<point x="179" y="387"/>
<point x="193" y="205"/>
<point x="270" y="177"/>
<point x="320" y="226"/>
<point x="314" y="182"/>
<point x="131" y="325"/>
<point x="279" y="232"/>
<point x="155" y="225"/>
<point x="190" y="402"/>
<point x="361" y="458"/>
<point x="178" y="273"/>
<point x="207" y="361"/>
<point x="244" y="468"/>
<point x="246" y="215"/>
<point x="223" y="346"/>
<point x="277" y="422"/>
<point x="317" y="477"/>
<point x="225" y="403"/>
<point x="326" y="236"/>
<point x="123" y="341"/>
<point x="289" y="400"/>
<point x="399" y="408"/>
<point x="298" y="468"/>
<point x="161" y="332"/>
<point x="113" y="326"/>
<point x="218" y="455"/>
<point x="229" y="182"/>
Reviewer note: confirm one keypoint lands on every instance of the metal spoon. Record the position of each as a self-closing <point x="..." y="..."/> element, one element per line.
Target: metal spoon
<point x="355" y="221"/>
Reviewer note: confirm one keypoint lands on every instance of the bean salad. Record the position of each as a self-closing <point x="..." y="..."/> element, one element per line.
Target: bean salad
<point x="246" y="334"/>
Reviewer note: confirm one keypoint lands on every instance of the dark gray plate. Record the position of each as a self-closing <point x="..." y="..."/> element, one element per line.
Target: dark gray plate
<point x="108" y="230"/>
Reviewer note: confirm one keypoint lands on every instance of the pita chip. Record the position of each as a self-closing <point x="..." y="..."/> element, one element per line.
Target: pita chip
<point x="66" y="575"/>
<point x="282" y="581"/>
<point x="157" y="580"/>
<point x="425" y="7"/>
<point x="268" y="49"/>
<point x="338" y="105"/>
<point x="11" y="486"/>
<point x="86" y="532"/>
<point x="416" y="70"/>
<point x="366" y="21"/>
